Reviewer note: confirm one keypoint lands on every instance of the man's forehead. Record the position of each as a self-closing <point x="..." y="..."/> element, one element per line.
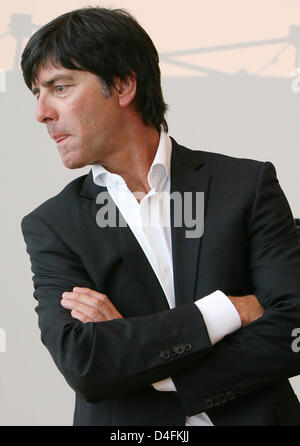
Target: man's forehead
<point x="46" y="75"/>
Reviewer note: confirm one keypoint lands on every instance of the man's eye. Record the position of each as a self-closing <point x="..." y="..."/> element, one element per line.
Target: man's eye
<point x="61" y="88"/>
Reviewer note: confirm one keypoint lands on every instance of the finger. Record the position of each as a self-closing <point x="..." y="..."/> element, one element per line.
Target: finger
<point x="92" y="313"/>
<point x="95" y="301"/>
<point x="80" y="316"/>
<point x="99" y="301"/>
<point x="86" y="299"/>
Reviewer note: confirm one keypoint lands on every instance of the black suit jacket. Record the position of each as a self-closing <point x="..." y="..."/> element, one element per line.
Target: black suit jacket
<point x="250" y="245"/>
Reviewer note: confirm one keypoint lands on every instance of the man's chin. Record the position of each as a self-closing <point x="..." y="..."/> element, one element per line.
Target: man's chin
<point x="73" y="164"/>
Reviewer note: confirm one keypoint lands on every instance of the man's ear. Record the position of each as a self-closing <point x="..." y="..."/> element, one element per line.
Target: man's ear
<point x="125" y="89"/>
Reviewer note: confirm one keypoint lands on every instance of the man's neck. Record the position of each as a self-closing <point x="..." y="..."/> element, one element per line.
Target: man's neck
<point x="133" y="162"/>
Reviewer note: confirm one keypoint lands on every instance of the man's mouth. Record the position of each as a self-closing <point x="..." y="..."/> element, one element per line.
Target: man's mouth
<point x="59" y="138"/>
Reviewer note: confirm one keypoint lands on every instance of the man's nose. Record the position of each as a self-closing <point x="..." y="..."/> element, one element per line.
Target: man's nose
<point x="45" y="111"/>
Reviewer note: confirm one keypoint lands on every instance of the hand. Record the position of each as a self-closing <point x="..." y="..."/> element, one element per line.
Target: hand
<point x="248" y="307"/>
<point x="89" y="306"/>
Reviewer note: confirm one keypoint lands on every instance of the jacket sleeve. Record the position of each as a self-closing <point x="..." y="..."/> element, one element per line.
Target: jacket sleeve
<point x="260" y="353"/>
<point x="102" y="359"/>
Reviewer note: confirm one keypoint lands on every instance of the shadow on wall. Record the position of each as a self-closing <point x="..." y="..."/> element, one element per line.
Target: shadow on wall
<point x="228" y="113"/>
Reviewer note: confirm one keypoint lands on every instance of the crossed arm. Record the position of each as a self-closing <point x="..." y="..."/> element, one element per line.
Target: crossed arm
<point x="88" y="305"/>
<point x="113" y="354"/>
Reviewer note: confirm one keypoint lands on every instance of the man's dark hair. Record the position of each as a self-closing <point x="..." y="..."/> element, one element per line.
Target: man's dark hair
<point x="106" y="42"/>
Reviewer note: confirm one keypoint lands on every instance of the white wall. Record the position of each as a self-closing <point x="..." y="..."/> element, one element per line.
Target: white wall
<point x="224" y="96"/>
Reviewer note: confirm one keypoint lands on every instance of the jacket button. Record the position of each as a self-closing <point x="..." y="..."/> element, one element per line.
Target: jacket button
<point x="187" y="347"/>
<point x="179" y="349"/>
<point x="165" y="354"/>
<point x="216" y="401"/>
<point x="209" y="403"/>
<point x="222" y="398"/>
<point x="173" y="353"/>
<point x="230" y="395"/>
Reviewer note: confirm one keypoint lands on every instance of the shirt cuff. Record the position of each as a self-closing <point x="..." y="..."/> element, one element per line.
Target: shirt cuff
<point x="165" y="385"/>
<point x="220" y="315"/>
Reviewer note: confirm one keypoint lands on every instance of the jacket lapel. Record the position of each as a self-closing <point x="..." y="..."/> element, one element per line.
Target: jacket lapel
<point x="192" y="183"/>
<point x="124" y="240"/>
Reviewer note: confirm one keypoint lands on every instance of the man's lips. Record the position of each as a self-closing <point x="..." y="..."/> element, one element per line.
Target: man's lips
<point x="59" y="138"/>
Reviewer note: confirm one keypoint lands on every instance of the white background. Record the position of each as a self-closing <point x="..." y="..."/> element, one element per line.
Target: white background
<point x="227" y="70"/>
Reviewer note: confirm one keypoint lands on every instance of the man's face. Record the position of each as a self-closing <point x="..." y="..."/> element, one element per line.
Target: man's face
<point x="78" y="117"/>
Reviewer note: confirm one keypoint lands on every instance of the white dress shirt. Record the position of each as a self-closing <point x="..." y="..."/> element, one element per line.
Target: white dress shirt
<point x="149" y="221"/>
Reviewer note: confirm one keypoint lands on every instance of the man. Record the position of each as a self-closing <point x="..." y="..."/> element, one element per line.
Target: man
<point x="150" y="323"/>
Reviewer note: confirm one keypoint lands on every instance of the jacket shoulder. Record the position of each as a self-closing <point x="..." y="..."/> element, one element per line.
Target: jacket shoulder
<point x="230" y="173"/>
<point x="57" y="204"/>
<point x="217" y="159"/>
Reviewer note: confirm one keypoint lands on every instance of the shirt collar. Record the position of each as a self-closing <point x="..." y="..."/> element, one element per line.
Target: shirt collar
<point x="160" y="168"/>
<point x="163" y="153"/>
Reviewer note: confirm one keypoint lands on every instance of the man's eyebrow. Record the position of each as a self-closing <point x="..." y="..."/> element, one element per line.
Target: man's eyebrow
<point x="58" y="77"/>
